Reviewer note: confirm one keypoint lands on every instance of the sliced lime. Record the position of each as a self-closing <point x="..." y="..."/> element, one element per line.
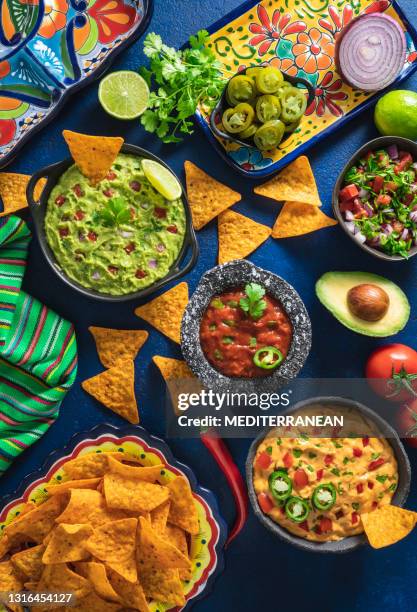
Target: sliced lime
<point x="124" y="94"/>
<point x="162" y="179"/>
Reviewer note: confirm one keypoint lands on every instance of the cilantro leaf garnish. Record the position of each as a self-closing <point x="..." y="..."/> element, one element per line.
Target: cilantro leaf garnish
<point x="253" y="304"/>
<point x="115" y="212"/>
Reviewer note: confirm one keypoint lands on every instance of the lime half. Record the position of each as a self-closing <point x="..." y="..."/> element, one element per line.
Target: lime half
<point x="162" y="179"/>
<point x="124" y="94"/>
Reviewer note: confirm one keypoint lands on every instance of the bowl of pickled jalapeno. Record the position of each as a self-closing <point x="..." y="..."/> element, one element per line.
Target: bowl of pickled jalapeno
<point x="261" y="106"/>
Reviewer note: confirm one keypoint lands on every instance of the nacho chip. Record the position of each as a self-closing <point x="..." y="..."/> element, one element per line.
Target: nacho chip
<point x="60" y="578"/>
<point x="88" y="483"/>
<point x="115" y="543"/>
<point x="162" y="585"/>
<point x="10" y="579"/>
<point x="94" y="155"/>
<point x="178" y="538"/>
<point x="165" y="311"/>
<point x="13" y="191"/>
<point x="297" y="219"/>
<point x="172" y="369"/>
<point x="295" y="183"/>
<point x="115" y="345"/>
<point x="82" y="503"/>
<point x="92" y="465"/>
<point x="388" y="525"/>
<point x="29" y="561"/>
<point x="96" y="574"/>
<point x="156" y="551"/>
<point x="183" y="511"/>
<point x="94" y="603"/>
<point x="36" y="523"/>
<point x="149" y="473"/>
<point x="131" y="595"/>
<point x="115" y="389"/>
<point x="239" y="236"/>
<point x="67" y="544"/>
<point x="133" y="494"/>
<point x="159" y="517"/>
<point x="207" y="197"/>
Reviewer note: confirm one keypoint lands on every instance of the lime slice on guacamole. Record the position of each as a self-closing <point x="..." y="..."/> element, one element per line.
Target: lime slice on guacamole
<point x="124" y="94"/>
<point x="162" y="179"/>
<point x="396" y="114"/>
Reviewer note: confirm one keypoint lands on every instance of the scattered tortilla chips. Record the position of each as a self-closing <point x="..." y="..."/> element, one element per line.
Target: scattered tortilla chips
<point x="239" y="236"/>
<point x="88" y="483"/>
<point x="36" y="523"/>
<point x="159" y="517"/>
<point x="115" y="544"/>
<point x="29" y="562"/>
<point x="115" y="345"/>
<point x="172" y="369"/>
<point x="207" y="197"/>
<point x="82" y="503"/>
<point x="295" y="183"/>
<point x="96" y="574"/>
<point x="115" y="389"/>
<point x="60" y="578"/>
<point x="388" y="525"/>
<point x="149" y="473"/>
<point x="94" y="155"/>
<point x="13" y="191"/>
<point x="157" y="551"/>
<point x="131" y="595"/>
<point x="133" y="494"/>
<point x="67" y="544"/>
<point x="162" y="585"/>
<point x="165" y="311"/>
<point x="297" y="219"/>
<point x="183" y="511"/>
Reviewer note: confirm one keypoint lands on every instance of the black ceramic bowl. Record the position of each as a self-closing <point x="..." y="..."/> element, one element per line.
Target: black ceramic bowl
<point x="222" y="104"/>
<point x="38" y="209"/>
<point x="352" y="542"/>
<point x="236" y="274"/>
<point x="378" y="143"/>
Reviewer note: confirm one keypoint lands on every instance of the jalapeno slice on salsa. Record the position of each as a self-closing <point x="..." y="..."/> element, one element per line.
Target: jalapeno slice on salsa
<point x="241" y="88"/>
<point x="297" y="509"/>
<point x="268" y="357"/>
<point x="280" y="485"/>
<point x="324" y="496"/>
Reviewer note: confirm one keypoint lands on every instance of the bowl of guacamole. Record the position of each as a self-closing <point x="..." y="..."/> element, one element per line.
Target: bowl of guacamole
<point x="117" y="240"/>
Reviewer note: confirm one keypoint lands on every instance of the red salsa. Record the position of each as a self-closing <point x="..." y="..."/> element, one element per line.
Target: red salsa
<point x="232" y="338"/>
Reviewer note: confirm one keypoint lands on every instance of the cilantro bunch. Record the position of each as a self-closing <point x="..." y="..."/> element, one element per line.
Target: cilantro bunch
<point x="182" y="80"/>
<point x="253" y="304"/>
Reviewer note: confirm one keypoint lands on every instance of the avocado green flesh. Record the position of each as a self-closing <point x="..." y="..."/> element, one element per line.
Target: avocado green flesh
<point x="332" y="289"/>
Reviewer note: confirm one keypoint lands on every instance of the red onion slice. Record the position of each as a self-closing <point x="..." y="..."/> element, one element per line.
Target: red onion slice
<point x="371" y="52"/>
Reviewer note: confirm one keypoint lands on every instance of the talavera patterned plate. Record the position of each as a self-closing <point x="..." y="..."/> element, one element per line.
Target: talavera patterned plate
<point x="49" y="48"/>
<point x="298" y="37"/>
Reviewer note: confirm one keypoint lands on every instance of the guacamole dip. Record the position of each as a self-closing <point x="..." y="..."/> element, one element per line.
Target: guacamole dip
<point x="117" y="237"/>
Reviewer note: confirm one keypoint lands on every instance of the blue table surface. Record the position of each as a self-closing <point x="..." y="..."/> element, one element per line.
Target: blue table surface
<point x="261" y="572"/>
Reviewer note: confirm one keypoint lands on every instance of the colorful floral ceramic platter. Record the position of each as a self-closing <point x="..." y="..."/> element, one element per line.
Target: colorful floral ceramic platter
<point x="205" y="548"/>
<point x="298" y="37"/>
<point x="49" y="48"/>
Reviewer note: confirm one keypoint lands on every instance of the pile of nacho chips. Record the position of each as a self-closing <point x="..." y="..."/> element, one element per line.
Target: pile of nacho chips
<point x="114" y="533"/>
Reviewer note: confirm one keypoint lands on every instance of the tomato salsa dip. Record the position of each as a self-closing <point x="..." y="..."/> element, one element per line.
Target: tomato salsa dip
<point x="317" y="488"/>
<point x="245" y="333"/>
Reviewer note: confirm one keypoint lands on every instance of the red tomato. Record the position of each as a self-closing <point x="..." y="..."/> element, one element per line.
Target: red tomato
<point x="374" y="465"/>
<point x="325" y="525"/>
<point x="348" y="193"/>
<point x="319" y="474"/>
<point x="359" y="488"/>
<point x="378" y="184"/>
<point x="355" y="517"/>
<point x="397" y="364"/>
<point x="407" y="423"/>
<point x="328" y="460"/>
<point x="263" y="461"/>
<point x="357" y="452"/>
<point x="265" y="503"/>
<point x="300" y="478"/>
<point x="288" y="460"/>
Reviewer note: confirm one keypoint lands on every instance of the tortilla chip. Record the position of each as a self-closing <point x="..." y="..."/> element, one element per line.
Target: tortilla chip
<point x="60" y="578"/>
<point x="159" y="517"/>
<point x="172" y="369"/>
<point x="156" y="551"/>
<point x="36" y="523"/>
<point x="96" y="574"/>
<point x="115" y="543"/>
<point x="93" y="603"/>
<point x="388" y="525"/>
<point x="115" y="389"/>
<point x="13" y="191"/>
<point x="207" y="197"/>
<point x="115" y="345"/>
<point x="82" y="503"/>
<point x="87" y="483"/>
<point x="149" y="474"/>
<point x="162" y="585"/>
<point x="183" y="511"/>
<point x="93" y="465"/>
<point x="29" y="561"/>
<point x="67" y="544"/>
<point x="178" y="538"/>
<point x="239" y="236"/>
<point x="131" y="595"/>
<point x="133" y="494"/>
<point x="295" y="183"/>
<point x="297" y="219"/>
<point x="94" y="155"/>
<point x="10" y="579"/>
<point x="165" y="311"/>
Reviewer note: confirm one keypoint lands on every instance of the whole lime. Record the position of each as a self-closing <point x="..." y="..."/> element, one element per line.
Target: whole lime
<point x="396" y="114"/>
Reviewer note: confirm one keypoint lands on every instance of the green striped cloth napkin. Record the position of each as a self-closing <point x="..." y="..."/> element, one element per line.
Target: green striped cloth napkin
<point x="38" y="351"/>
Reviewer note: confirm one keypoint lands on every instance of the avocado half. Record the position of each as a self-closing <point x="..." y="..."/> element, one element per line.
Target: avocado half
<point x="332" y="289"/>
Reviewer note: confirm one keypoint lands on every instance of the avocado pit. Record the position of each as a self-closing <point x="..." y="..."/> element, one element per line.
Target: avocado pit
<point x="368" y="302"/>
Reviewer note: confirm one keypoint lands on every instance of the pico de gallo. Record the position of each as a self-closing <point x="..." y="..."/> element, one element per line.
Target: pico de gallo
<point x="317" y="488"/>
<point x="245" y="333"/>
<point x="379" y="200"/>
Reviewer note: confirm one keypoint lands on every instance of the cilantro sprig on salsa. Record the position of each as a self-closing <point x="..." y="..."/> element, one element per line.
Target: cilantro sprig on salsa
<point x="253" y="304"/>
